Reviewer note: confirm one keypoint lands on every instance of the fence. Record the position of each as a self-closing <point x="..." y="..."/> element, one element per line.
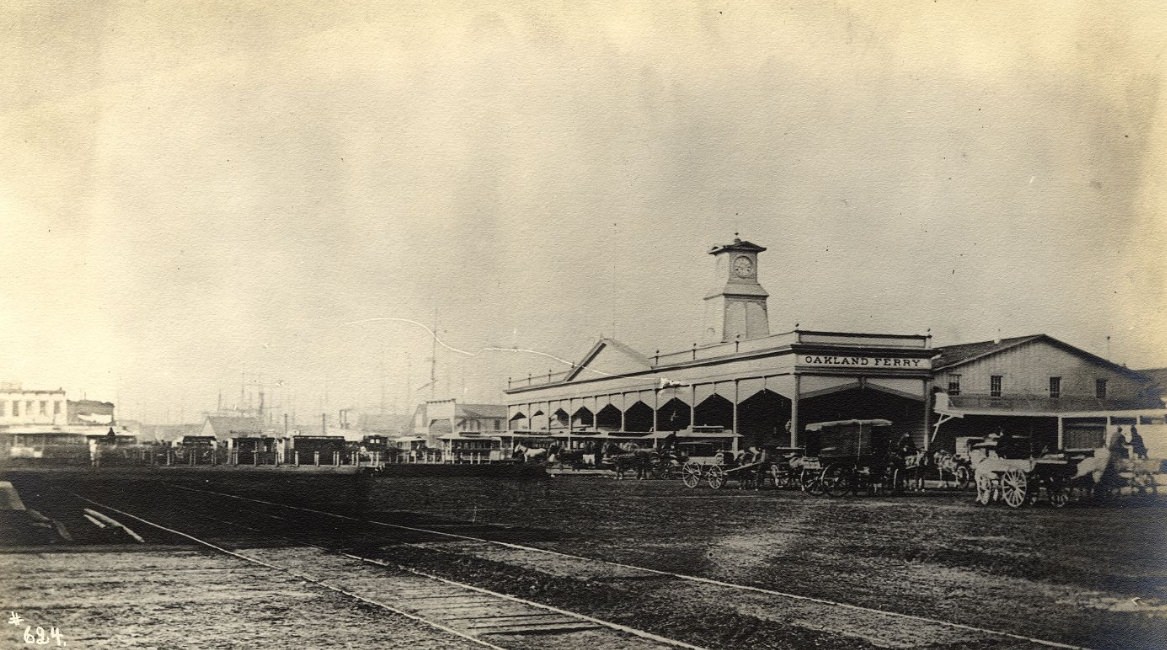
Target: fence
<point x="205" y="455"/>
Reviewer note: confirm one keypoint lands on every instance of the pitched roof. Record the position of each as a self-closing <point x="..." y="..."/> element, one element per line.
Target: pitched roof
<point x="232" y="424"/>
<point x="952" y="355"/>
<point x="955" y="355"/>
<point x="482" y="410"/>
<point x="1157" y="375"/>
<point x="383" y="422"/>
<point x="599" y="346"/>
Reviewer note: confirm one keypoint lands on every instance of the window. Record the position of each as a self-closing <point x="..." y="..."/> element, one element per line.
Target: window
<point x="1055" y="387"/>
<point x="15" y="408"/>
<point x="954" y="384"/>
<point x="57" y="408"/>
<point x="44" y="407"/>
<point x="1100" y="388"/>
<point x="2" y="405"/>
<point x="995" y="386"/>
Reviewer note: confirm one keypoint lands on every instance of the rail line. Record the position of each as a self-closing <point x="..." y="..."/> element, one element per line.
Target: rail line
<point x="538" y="626"/>
<point x="681" y="576"/>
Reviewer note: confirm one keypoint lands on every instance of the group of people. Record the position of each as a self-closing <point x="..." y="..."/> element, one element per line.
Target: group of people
<point x="1117" y="444"/>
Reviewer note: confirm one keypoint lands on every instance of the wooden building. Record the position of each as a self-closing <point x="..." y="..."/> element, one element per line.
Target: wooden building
<point x="1038" y="387"/>
<point x="744" y="384"/>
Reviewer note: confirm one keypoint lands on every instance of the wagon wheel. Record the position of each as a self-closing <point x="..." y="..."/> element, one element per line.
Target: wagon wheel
<point x="898" y="480"/>
<point x="984" y="489"/>
<point x="963" y="477"/>
<point x="1057" y="490"/>
<point x="1014" y="487"/>
<point x="691" y="474"/>
<point x="837" y="481"/>
<point x="1059" y="495"/>
<point x="812" y="482"/>
<point x="715" y="475"/>
<point x="1143" y="484"/>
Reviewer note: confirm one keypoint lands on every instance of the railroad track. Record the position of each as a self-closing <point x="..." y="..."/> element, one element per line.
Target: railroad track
<point x="487" y="617"/>
<point x="481" y="616"/>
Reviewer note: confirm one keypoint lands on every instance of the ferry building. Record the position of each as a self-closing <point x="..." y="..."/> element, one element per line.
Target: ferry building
<point x="743" y="386"/>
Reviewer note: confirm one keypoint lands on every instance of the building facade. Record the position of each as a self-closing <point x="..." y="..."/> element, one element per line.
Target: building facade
<point x="20" y="407"/>
<point x="1039" y="387"/>
<point x="743" y="386"/>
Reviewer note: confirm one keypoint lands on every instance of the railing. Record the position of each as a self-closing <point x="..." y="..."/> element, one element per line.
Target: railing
<point x="1040" y="403"/>
<point x="716" y="350"/>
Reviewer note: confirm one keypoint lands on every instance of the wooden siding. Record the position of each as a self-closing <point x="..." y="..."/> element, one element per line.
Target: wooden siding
<point x="1026" y="369"/>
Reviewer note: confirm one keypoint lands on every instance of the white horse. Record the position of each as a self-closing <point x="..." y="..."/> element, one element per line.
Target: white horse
<point x="530" y="455"/>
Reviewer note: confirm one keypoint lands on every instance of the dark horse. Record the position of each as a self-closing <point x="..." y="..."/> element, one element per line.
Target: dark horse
<point x="628" y="456"/>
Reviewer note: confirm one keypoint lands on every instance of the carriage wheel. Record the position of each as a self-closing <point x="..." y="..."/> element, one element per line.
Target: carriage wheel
<point x="812" y="482"/>
<point x="715" y="476"/>
<point x="1014" y="487"/>
<point x="1059" y="496"/>
<point x="963" y="477"/>
<point x="898" y="480"/>
<point x="984" y="489"/>
<point x="837" y="481"/>
<point x="1143" y="484"/>
<point x="691" y="474"/>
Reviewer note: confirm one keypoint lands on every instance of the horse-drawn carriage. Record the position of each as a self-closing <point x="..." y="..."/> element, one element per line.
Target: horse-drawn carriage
<point x="704" y="463"/>
<point x="857" y="456"/>
<point x="1006" y="469"/>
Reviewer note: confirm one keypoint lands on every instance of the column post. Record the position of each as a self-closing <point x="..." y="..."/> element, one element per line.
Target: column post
<point x="927" y="413"/>
<point x="733" y="424"/>
<point x="795" y="427"/>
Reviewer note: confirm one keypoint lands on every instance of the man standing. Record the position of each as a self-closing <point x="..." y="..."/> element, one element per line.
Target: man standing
<point x="1137" y="445"/>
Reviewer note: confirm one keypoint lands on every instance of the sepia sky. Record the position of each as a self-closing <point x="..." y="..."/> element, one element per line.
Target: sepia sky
<point x="199" y="195"/>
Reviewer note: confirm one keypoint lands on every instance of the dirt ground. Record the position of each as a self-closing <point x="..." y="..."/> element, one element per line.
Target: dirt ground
<point x="1084" y="575"/>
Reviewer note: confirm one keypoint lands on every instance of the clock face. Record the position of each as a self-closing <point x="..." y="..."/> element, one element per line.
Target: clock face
<point x="743" y="266"/>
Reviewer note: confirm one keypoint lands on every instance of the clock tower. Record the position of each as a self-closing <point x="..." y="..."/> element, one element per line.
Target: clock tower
<point x="736" y="306"/>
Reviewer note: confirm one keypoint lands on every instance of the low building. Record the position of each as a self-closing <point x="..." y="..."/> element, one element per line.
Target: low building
<point x="434" y="419"/>
<point x="1038" y="387"/>
<point x="226" y="427"/>
<point x="19" y="407"/>
<point x="87" y="412"/>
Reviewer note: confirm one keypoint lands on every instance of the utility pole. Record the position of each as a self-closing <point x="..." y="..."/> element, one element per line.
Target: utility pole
<point x="381" y="365"/>
<point x="408" y="383"/>
<point x="434" y="358"/>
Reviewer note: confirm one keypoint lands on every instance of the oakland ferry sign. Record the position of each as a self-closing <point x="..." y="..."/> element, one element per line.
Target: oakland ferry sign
<point x="838" y="361"/>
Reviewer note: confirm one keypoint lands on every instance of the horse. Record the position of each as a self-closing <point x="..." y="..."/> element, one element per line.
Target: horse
<point x="529" y="455"/>
<point x="949" y="464"/>
<point x="628" y="456"/>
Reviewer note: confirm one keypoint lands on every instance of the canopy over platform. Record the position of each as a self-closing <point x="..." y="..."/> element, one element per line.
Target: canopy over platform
<point x="818" y="426"/>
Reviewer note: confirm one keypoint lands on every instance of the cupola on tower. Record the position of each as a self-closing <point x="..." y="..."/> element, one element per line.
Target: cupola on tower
<point x="736" y="306"/>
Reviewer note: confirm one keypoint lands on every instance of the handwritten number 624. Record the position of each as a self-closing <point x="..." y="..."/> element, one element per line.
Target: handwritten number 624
<point x="40" y="637"/>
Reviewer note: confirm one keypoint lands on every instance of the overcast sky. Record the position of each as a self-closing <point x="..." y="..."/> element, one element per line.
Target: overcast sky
<point x="195" y="193"/>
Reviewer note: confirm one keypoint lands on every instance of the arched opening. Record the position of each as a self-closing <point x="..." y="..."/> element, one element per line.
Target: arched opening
<point x="907" y="415"/>
<point x="518" y="422"/>
<point x="762" y="417"/>
<point x="715" y="411"/>
<point x="638" y="417"/>
<point x="559" y="418"/>
<point x="582" y="417"/>
<point x="608" y="418"/>
<point x="673" y="415"/>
